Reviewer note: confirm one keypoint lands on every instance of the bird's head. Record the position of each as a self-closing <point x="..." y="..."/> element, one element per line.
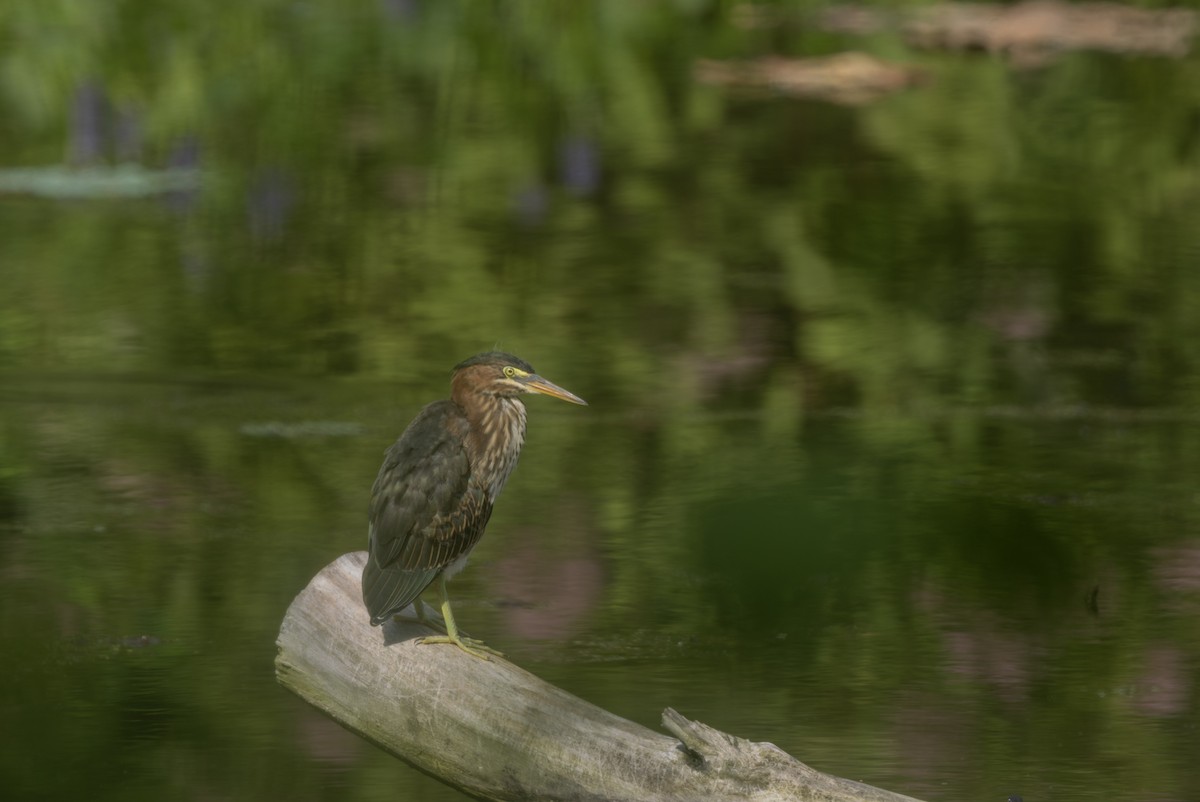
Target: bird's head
<point x="500" y="374"/>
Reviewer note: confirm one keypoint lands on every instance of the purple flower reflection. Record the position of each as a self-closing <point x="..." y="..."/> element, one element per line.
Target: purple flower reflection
<point x="579" y="165"/>
<point x="89" y="113"/>
<point x="269" y="203"/>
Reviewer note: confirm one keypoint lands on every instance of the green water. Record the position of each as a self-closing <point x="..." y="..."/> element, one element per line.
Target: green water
<point x="892" y="449"/>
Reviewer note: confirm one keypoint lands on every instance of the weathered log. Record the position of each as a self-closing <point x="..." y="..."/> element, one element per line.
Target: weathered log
<point x="496" y="731"/>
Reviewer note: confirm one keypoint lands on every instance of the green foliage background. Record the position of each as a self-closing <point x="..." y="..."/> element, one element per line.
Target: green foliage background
<point x="892" y="441"/>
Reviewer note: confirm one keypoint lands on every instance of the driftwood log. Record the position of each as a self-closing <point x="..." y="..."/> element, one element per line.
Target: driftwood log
<point x="495" y="731"/>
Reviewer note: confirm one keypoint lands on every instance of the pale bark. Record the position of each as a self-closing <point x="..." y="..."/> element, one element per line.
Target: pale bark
<point x="496" y="731"/>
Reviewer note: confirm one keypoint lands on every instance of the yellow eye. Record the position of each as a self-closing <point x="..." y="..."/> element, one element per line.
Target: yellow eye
<point x="510" y="371"/>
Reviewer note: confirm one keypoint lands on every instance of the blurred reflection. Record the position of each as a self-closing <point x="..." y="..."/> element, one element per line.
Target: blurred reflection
<point x="894" y="444"/>
<point x="550" y="579"/>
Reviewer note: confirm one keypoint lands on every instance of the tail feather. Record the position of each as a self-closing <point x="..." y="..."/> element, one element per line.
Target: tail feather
<point x="387" y="591"/>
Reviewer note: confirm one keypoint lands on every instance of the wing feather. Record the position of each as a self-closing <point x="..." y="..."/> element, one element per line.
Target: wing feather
<point x="425" y="511"/>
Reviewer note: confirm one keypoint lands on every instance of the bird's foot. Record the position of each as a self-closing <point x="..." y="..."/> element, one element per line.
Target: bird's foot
<point x="468" y="645"/>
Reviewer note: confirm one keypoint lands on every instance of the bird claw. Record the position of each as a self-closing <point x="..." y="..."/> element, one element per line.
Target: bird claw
<point x="468" y="645"/>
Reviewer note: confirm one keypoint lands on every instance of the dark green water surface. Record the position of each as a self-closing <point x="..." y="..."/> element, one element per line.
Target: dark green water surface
<point x="892" y="456"/>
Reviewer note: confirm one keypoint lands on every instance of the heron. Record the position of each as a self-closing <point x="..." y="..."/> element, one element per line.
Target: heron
<point x="438" y="483"/>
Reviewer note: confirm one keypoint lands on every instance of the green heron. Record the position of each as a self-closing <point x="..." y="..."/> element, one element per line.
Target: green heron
<point x="435" y="490"/>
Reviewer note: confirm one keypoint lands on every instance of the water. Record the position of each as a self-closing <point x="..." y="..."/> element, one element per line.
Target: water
<point x="892" y="436"/>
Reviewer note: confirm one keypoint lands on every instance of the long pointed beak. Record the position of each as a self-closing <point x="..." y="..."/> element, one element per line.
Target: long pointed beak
<point x="536" y="384"/>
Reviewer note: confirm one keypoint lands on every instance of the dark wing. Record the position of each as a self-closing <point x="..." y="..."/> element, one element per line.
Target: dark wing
<point x="425" y="512"/>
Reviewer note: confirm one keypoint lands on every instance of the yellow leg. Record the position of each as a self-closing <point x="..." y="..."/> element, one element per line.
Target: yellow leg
<point x="468" y="645"/>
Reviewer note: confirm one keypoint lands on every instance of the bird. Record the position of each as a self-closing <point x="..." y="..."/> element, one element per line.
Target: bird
<point x="438" y="483"/>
